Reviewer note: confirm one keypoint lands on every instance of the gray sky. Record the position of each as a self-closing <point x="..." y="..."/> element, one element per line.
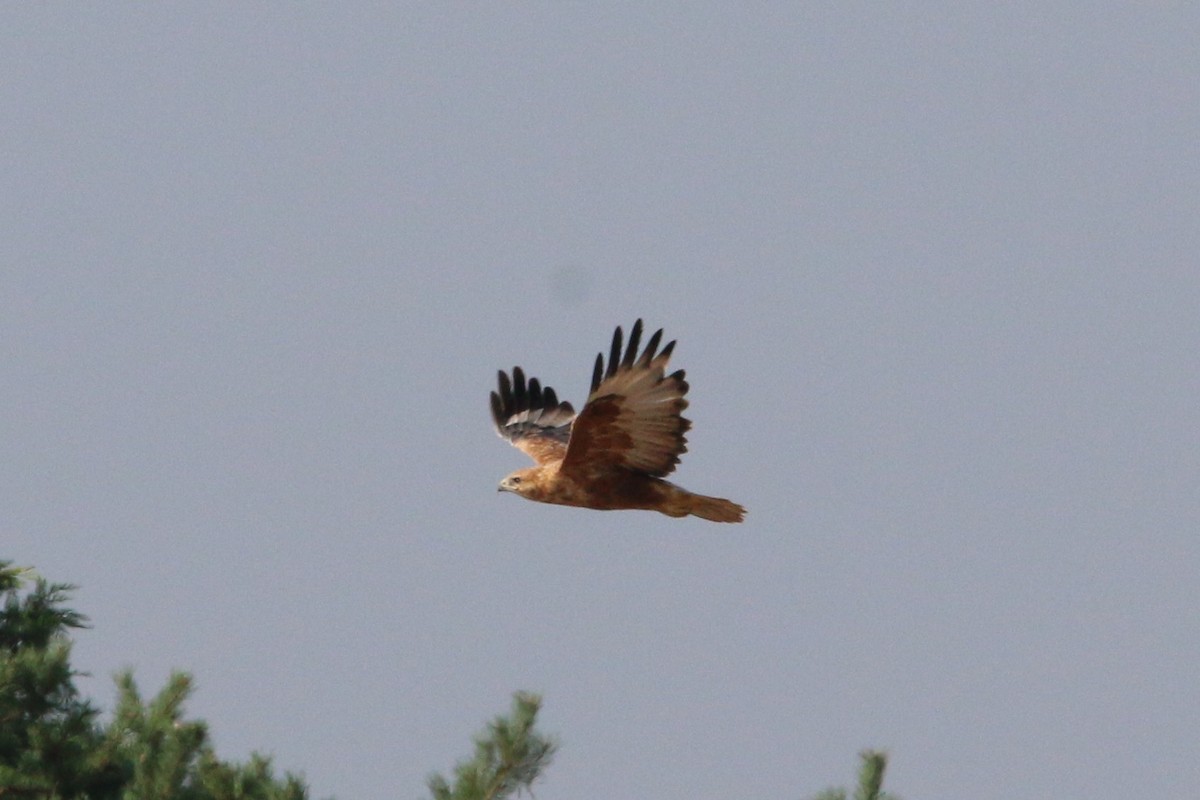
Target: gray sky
<point x="934" y="276"/>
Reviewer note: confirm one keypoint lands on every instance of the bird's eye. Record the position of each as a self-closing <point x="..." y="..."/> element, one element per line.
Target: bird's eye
<point x="516" y="480"/>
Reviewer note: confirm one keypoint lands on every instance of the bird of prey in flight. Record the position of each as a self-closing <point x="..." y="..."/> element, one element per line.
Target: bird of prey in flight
<point x="614" y="453"/>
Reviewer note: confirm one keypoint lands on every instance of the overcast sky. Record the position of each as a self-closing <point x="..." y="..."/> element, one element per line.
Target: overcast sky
<point x="933" y="272"/>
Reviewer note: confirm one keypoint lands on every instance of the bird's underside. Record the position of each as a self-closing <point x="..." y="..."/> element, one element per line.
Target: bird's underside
<point x="614" y="453"/>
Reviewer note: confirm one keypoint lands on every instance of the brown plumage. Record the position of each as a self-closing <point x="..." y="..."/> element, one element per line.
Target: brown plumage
<point x="615" y="453"/>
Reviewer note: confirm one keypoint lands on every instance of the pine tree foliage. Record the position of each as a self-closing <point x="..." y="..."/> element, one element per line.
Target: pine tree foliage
<point x="870" y="780"/>
<point x="509" y="757"/>
<point x="49" y="738"/>
<point x="53" y="745"/>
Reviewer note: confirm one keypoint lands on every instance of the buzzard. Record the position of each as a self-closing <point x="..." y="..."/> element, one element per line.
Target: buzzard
<point x="616" y="451"/>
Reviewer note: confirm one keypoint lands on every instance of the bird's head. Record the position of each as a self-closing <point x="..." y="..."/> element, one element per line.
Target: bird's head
<point x="522" y="482"/>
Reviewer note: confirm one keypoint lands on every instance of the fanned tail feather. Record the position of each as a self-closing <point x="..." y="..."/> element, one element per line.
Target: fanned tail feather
<point x="715" y="509"/>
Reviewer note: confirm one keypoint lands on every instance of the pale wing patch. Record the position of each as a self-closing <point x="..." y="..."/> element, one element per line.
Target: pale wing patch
<point x="531" y="417"/>
<point x="632" y="416"/>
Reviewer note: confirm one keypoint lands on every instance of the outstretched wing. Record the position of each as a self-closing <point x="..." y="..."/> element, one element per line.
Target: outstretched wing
<point x="531" y="417"/>
<point x="632" y="417"/>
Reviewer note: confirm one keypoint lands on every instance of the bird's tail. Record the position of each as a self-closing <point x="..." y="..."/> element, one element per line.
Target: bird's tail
<point x="714" y="508"/>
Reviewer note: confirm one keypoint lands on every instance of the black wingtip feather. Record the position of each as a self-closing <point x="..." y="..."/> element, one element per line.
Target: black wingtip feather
<point x="614" y="355"/>
<point x="520" y="398"/>
<point x="498" y="409"/>
<point x="635" y="338"/>
<point x="597" y="371"/>
<point x="651" y="346"/>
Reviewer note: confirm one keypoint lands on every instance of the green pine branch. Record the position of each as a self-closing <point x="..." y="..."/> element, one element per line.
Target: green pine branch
<point x="870" y="780"/>
<point x="509" y="756"/>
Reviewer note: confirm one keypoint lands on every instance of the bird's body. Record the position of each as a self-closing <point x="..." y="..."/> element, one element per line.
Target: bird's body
<point x="616" y="451"/>
<point x="548" y="484"/>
